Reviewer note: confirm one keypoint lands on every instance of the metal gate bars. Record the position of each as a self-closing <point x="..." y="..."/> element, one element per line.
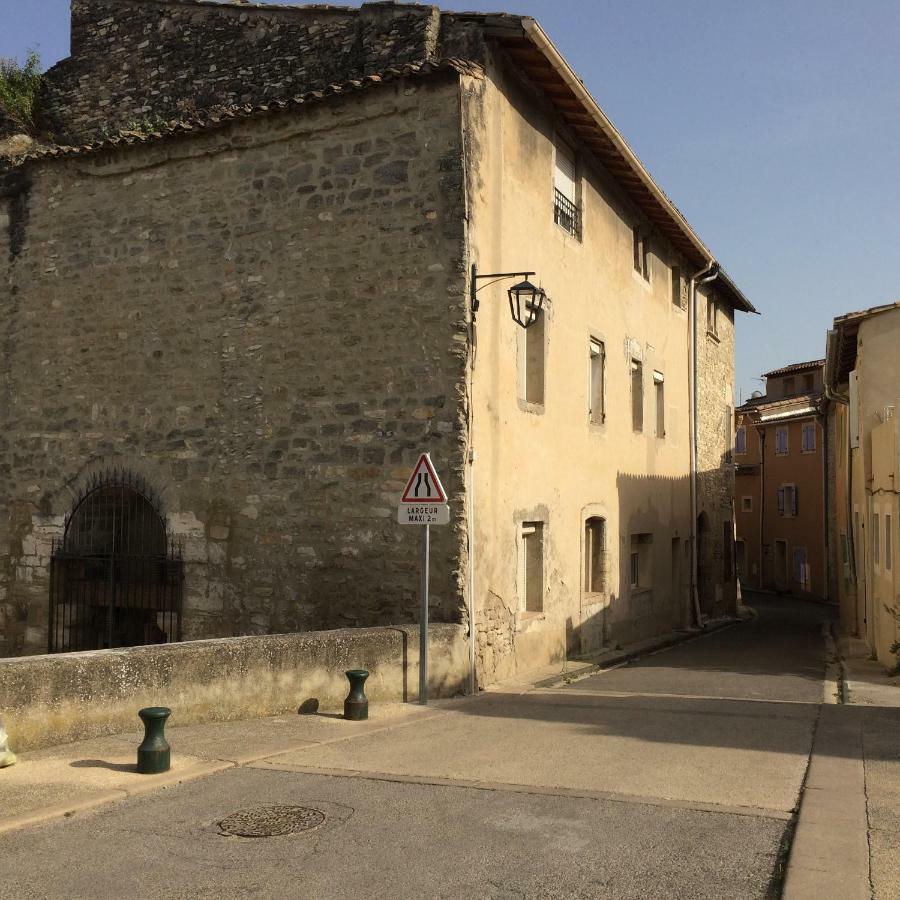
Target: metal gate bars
<point x="116" y="577"/>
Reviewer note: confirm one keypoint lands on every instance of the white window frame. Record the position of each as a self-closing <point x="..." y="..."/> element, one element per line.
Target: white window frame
<point x="659" y="393"/>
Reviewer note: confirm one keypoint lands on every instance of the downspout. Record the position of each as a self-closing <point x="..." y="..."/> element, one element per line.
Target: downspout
<point x="708" y="273"/>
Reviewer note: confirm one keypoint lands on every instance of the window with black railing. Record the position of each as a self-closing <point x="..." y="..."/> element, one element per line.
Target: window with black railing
<point x="566" y="214"/>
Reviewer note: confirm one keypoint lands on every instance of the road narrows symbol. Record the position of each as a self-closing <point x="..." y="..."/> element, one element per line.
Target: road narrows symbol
<point x="424" y="486"/>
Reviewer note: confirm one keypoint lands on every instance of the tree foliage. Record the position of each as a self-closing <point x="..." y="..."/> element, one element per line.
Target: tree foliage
<point x="19" y="87"/>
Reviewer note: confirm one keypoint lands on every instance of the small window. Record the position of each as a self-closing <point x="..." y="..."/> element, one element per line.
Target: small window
<point x="597" y="366"/>
<point x="531" y="563"/>
<point x="729" y="433"/>
<point x="888" y="546"/>
<point x="808" y="437"/>
<point x="595" y="555"/>
<point x="533" y="357"/>
<point x="678" y="287"/>
<point x="788" y="385"/>
<point x="746" y="504"/>
<point x="781" y="441"/>
<point x="808" y="382"/>
<point x="640" y="561"/>
<point x="659" y="386"/>
<point x="641" y="253"/>
<point x="637" y="395"/>
<point x="566" y="213"/>
<point x="740" y="441"/>
<point x="876" y="539"/>
<point x="712" y="316"/>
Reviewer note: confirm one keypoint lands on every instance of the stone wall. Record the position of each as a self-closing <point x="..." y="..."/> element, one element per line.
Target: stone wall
<point x="715" y="469"/>
<point x="266" y="322"/>
<point x="135" y="62"/>
<point x="47" y="700"/>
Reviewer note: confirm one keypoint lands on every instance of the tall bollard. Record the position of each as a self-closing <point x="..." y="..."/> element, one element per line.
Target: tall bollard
<point x="356" y="706"/>
<point x="154" y="754"/>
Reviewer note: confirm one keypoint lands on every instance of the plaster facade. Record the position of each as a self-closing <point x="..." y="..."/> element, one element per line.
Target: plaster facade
<point x="862" y="374"/>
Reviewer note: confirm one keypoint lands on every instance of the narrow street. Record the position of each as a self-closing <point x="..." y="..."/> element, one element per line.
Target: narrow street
<point x="674" y="776"/>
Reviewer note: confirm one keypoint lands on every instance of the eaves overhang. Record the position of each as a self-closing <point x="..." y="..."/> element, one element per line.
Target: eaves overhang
<point x="532" y="51"/>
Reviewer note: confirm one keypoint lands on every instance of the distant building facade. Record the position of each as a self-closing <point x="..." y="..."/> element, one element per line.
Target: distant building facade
<point x="862" y="378"/>
<point x="229" y="336"/>
<point x="781" y="456"/>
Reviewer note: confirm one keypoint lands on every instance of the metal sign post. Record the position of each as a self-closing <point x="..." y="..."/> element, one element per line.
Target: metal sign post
<point x="424" y="503"/>
<point x="423" y="617"/>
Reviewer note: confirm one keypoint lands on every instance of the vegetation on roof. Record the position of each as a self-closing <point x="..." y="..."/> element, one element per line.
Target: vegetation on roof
<point x="19" y="87"/>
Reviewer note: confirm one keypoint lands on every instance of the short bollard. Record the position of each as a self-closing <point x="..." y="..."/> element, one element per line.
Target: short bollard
<point x="356" y="706"/>
<point x="154" y="754"/>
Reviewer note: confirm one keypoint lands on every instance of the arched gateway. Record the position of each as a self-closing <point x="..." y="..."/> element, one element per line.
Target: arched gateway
<point x="115" y="578"/>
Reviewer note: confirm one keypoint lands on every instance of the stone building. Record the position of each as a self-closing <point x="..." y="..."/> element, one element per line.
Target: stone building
<point x="782" y="451"/>
<point x="862" y="382"/>
<point x="240" y="300"/>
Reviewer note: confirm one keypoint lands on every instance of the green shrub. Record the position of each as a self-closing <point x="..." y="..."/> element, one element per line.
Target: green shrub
<point x="19" y="86"/>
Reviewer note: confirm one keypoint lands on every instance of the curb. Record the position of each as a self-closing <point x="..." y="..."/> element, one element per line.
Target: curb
<point x="620" y="658"/>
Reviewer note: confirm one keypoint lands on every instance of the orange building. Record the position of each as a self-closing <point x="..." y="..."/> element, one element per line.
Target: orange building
<point x="781" y="455"/>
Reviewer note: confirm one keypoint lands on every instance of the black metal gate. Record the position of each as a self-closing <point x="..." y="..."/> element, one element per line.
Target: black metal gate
<point x="116" y="577"/>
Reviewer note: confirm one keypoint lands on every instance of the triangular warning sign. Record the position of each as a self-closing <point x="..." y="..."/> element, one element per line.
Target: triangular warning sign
<point x="424" y="486"/>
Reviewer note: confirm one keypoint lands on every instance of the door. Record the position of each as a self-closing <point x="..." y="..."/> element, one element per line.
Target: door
<point x="781" y="566"/>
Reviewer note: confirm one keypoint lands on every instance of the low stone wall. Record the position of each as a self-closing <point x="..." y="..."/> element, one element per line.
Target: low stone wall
<point x="47" y="700"/>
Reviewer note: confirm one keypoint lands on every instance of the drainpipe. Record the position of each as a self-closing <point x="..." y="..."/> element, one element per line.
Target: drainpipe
<point x="708" y="273"/>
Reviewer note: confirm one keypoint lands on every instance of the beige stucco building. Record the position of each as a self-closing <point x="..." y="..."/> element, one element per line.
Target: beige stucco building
<point x="279" y="301"/>
<point x="862" y="379"/>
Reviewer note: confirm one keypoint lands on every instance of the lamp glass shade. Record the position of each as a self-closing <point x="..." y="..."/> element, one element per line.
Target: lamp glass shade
<point x="525" y="303"/>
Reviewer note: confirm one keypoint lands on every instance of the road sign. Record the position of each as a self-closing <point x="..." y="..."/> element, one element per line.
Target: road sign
<point x="424" y="503"/>
<point x="423" y="514"/>
<point x="424" y="486"/>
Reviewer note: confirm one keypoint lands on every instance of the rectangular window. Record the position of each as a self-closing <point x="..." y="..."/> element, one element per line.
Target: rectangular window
<point x="640" y="561"/>
<point x="727" y="551"/>
<point x="729" y="433"/>
<point x="801" y="568"/>
<point x="566" y="213"/>
<point x="888" y="546"/>
<point x="740" y="441"/>
<point x="712" y="316"/>
<point x="781" y="441"/>
<point x="641" y="253"/>
<point x="659" y="385"/>
<point x="808" y="437"/>
<point x="531" y="563"/>
<point x="637" y="395"/>
<point x="787" y="500"/>
<point x="876" y="540"/>
<point x="595" y="555"/>
<point x="678" y="287"/>
<point x="788" y="386"/>
<point x="598" y="365"/>
<point x="533" y="356"/>
<point x="746" y="504"/>
<point x="808" y="383"/>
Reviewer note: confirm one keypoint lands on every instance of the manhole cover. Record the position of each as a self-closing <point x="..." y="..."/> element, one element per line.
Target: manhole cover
<point x="271" y="821"/>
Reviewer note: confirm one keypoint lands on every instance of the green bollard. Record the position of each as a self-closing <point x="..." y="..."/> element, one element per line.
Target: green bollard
<point x="154" y="754"/>
<point x="356" y="706"/>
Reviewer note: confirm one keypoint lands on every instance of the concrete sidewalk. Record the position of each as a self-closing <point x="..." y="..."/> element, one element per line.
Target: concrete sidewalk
<point x="62" y="781"/>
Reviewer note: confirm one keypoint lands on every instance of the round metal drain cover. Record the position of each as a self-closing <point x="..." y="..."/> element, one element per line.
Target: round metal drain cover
<point x="271" y="821"/>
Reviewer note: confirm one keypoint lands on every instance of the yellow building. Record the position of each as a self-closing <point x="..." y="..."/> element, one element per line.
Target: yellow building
<point x="862" y="380"/>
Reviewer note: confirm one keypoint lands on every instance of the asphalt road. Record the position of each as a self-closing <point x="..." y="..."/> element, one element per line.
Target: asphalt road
<point x="671" y="777"/>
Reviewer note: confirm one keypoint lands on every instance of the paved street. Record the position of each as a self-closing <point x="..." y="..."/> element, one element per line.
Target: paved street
<point x="674" y="776"/>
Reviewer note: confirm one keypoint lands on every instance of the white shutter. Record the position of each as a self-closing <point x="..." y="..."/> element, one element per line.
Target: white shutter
<point x="564" y="173"/>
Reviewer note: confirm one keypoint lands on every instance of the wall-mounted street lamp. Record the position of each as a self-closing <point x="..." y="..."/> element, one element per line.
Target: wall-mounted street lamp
<point x="525" y="300"/>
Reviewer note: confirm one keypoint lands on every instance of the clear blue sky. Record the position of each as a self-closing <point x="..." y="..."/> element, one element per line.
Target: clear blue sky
<point x="774" y="125"/>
